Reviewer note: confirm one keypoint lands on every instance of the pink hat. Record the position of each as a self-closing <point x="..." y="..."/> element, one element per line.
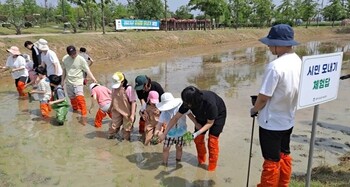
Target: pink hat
<point x="14" y="50"/>
<point x="153" y="96"/>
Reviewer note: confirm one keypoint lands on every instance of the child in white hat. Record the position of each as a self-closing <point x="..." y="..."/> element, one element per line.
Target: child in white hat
<point x="169" y="106"/>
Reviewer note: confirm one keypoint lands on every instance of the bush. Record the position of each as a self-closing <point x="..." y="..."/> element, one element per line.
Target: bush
<point x="28" y="24"/>
<point x="288" y="22"/>
<point x="6" y="25"/>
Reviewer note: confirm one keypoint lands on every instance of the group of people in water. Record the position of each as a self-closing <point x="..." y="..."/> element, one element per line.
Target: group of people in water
<point x="163" y="117"/>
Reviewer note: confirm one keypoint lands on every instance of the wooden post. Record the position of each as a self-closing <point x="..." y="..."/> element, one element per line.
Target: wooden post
<point x="165" y="15"/>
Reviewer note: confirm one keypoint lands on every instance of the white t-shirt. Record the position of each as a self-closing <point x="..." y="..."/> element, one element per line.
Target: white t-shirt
<point x="17" y="62"/>
<point x="49" y="59"/>
<point x="178" y="129"/>
<point x="44" y="85"/>
<point x="281" y="83"/>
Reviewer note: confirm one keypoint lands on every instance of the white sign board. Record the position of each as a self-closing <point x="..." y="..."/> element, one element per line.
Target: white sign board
<point x="319" y="79"/>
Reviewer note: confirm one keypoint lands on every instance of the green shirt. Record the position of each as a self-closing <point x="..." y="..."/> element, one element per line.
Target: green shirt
<point x="75" y="68"/>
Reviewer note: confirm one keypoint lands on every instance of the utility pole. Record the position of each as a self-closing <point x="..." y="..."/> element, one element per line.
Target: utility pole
<point x="165" y="15"/>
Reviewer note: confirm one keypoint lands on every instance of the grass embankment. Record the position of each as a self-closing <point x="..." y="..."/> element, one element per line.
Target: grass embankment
<point x="116" y="45"/>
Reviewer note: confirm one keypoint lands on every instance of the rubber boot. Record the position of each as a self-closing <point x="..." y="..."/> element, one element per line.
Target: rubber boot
<point x="270" y="174"/>
<point x="142" y="126"/>
<point x="201" y="150"/>
<point x="285" y="170"/>
<point x="44" y="109"/>
<point x="99" y="117"/>
<point x="74" y="103"/>
<point x="20" y="88"/>
<point x="126" y="134"/>
<point x="81" y="104"/>
<point x="213" y="146"/>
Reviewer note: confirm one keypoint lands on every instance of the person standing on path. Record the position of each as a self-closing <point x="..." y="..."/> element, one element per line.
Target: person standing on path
<point x="276" y="104"/>
<point x="143" y="85"/>
<point x="73" y="68"/>
<point x="208" y="112"/>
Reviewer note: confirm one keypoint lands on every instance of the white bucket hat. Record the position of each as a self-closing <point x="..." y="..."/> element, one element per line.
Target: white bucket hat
<point x="168" y="102"/>
<point x="41" y="44"/>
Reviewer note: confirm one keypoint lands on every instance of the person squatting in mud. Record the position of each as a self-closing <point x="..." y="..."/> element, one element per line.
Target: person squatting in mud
<point x="208" y="113"/>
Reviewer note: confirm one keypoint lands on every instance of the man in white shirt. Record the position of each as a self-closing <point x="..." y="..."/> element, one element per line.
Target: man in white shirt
<point x="276" y="105"/>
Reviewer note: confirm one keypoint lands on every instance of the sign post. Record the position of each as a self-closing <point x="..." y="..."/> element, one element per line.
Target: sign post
<point x="319" y="82"/>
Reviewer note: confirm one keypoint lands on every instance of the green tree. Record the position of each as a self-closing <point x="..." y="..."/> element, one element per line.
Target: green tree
<point x="90" y="8"/>
<point x="347" y="8"/>
<point x="183" y="12"/>
<point x="240" y="11"/>
<point x="147" y="9"/>
<point x="13" y="9"/>
<point x="212" y="8"/>
<point x="30" y="7"/>
<point x="285" y="12"/>
<point x="308" y="11"/>
<point x="120" y="11"/>
<point x="334" y="12"/>
<point x="262" y="11"/>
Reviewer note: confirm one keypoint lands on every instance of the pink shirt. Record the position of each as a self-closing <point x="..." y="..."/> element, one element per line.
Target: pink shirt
<point x="103" y="95"/>
<point x="131" y="94"/>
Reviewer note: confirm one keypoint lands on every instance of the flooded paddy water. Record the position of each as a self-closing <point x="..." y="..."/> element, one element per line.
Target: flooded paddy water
<point x="37" y="153"/>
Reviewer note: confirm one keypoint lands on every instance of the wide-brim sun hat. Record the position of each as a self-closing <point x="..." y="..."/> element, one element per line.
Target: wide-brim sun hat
<point x="14" y="50"/>
<point x="280" y="35"/>
<point x="42" y="45"/>
<point x="168" y="102"/>
<point x="117" y="79"/>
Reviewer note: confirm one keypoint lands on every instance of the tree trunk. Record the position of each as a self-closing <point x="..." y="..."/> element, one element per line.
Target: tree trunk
<point x="103" y="17"/>
<point x="18" y="30"/>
